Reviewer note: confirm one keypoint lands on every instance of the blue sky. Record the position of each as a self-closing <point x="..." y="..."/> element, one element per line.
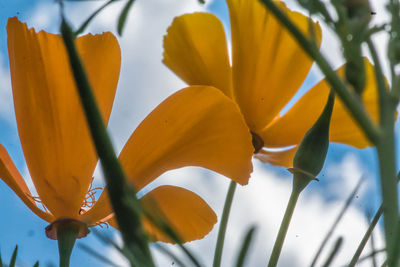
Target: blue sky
<point x="20" y="226"/>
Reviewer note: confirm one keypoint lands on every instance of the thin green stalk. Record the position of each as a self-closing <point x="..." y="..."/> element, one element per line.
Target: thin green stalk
<point x="350" y="100"/>
<point x="170" y="254"/>
<point x="223" y="224"/>
<point x="123" y="199"/>
<point x="276" y="251"/>
<point x="372" y="242"/>
<point x="91" y="17"/>
<point x="387" y="168"/>
<point x="245" y="247"/>
<point x="380" y="79"/>
<point x="334" y="252"/>
<point x="371" y="255"/>
<point x="336" y="222"/>
<point x="66" y="237"/>
<point x="368" y="233"/>
<point x="366" y="236"/>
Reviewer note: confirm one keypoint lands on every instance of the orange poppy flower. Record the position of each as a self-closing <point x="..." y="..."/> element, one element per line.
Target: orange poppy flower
<point x="197" y="126"/>
<point x="268" y="68"/>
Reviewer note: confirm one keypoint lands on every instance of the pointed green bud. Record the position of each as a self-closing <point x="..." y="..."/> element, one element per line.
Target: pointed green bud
<point x="359" y="14"/>
<point x="355" y="72"/>
<point x="310" y="157"/>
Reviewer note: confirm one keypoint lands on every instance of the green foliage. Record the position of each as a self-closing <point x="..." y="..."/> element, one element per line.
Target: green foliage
<point x="244" y="249"/>
<point x="123" y="16"/>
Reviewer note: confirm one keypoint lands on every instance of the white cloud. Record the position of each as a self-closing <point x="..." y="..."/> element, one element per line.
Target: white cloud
<point x="6" y="101"/>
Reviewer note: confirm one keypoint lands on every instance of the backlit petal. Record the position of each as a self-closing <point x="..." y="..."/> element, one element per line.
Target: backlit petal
<point x="185" y="212"/>
<point x="195" y="49"/>
<point x="51" y="124"/>
<point x="268" y="64"/>
<point x="11" y="176"/>
<point x="290" y="128"/>
<point x="282" y="158"/>
<point x="196" y="126"/>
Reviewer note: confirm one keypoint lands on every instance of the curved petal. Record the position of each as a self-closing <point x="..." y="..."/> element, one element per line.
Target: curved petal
<point x="268" y="64"/>
<point x="196" y="126"/>
<point x="51" y="124"/>
<point x="195" y="49"/>
<point x="290" y="128"/>
<point x="11" y="176"/>
<point x="185" y="212"/>
<point x="282" y="158"/>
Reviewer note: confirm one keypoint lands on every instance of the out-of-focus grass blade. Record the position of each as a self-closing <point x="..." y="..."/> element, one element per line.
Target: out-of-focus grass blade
<point x="370" y="255"/>
<point x="164" y="226"/>
<point x="245" y="247"/>
<point x="170" y="254"/>
<point x="126" y="206"/>
<point x="91" y="17"/>
<point x="123" y="16"/>
<point x="368" y="233"/>
<point x="14" y="257"/>
<point x="1" y="261"/>
<point x="97" y="255"/>
<point x="373" y="258"/>
<point x="338" y="219"/>
<point x="106" y="240"/>
<point x="36" y="264"/>
<point x="334" y="252"/>
<point x="202" y="2"/>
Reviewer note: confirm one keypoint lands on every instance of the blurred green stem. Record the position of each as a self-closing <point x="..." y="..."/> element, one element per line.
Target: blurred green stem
<point x="66" y="236"/>
<point x="223" y="224"/>
<point x="276" y="251"/>
<point x="126" y="206"/>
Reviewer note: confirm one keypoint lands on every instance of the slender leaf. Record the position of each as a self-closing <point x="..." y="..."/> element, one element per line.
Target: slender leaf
<point x="14" y="257"/>
<point x="97" y="255"/>
<point x="245" y="247"/>
<point x="126" y="206"/>
<point x="334" y="252"/>
<point x="337" y="220"/>
<point x="91" y="17"/>
<point x="170" y="254"/>
<point x="123" y="16"/>
<point x="36" y="264"/>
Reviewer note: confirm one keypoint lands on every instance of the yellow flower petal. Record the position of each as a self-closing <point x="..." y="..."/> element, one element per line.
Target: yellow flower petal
<point x="290" y="128"/>
<point x="268" y="64"/>
<point x="52" y="128"/>
<point x="11" y="176"/>
<point x="196" y="126"/>
<point x="185" y="212"/>
<point x="282" y="158"/>
<point x="195" y="49"/>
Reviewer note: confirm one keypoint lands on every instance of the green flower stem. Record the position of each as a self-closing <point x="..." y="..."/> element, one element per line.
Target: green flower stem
<point x="126" y="206"/>
<point x="386" y="152"/>
<point x="350" y="100"/>
<point x="223" y="224"/>
<point x="66" y="236"/>
<point x="387" y="168"/>
<point x="276" y="251"/>
<point x="386" y="157"/>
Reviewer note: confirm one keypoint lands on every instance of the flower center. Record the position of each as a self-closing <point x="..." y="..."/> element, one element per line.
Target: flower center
<point x="257" y="141"/>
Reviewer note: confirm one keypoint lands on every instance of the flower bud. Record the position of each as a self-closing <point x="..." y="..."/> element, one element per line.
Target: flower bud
<point x="310" y="156"/>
